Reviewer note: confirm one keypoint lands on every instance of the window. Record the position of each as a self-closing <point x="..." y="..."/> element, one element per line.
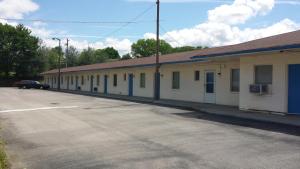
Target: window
<point x="142" y="80"/>
<point x="62" y="80"/>
<point x="197" y="75"/>
<point x="125" y="77"/>
<point x="264" y="74"/>
<point x="210" y="82"/>
<point x="55" y="80"/>
<point x="235" y="80"/>
<point x="115" y="80"/>
<point x="98" y="80"/>
<point x="82" y="80"/>
<point x="176" y="80"/>
<point x="72" y="80"/>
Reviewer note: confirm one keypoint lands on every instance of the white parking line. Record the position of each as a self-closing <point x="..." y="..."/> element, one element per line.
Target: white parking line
<point x="40" y="108"/>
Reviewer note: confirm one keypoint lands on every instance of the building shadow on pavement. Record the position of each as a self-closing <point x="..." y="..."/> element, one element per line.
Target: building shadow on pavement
<point x="269" y="126"/>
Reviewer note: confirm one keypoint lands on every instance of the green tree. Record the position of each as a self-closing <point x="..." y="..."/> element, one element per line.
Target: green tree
<point x="43" y="56"/>
<point x="183" y="49"/>
<point x="103" y="55"/>
<point x="100" y="56"/>
<point x="53" y="57"/>
<point x="7" y="53"/>
<point x="18" y="51"/>
<point x="87" y="57"/>
<point x="111" y="53"/>
<point x="72" y="56"/>
<point x="126" y="57"/>
<point x="147" y="47"/>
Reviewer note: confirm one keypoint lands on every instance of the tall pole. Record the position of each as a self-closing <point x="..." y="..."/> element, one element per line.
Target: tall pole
<point x="157" y="74"/>
<point x="59" y="62"/>
<point x="67" y="52"/>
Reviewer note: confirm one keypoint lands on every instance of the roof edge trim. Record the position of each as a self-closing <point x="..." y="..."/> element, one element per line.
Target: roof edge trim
<point x="244" y="52"/>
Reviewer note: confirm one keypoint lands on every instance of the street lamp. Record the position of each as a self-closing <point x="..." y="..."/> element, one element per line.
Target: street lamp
<point x="59" y="43"/>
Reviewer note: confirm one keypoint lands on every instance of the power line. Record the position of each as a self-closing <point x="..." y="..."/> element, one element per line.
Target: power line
<point x="166" y="33"/>
<point x="132" y="21"/>
<point x="72" y="21"/>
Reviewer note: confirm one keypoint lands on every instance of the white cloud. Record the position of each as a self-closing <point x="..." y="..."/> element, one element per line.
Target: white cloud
<point x="39" y="24"/>
<point x="122" y="45"/>
<point x="16" y="9"/>
<point x="221" y="27"/>
<point x="240" y="11"/>
<point x="9" y="23"/>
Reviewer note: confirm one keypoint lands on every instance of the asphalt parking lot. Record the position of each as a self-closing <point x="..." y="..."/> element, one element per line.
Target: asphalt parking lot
<point x="45" y="129"/>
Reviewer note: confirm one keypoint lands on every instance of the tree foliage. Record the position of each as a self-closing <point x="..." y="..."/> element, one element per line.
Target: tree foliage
<point x="126" y="56"/>
<point x="147" y="47"/>
<point x="23" y="55"/>
<point x="18" y="51"/>
<point x="91" y="56"/>
<point x="72" y="56"/>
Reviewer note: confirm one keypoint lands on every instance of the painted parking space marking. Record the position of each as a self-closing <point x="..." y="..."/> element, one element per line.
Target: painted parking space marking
<point x="40" y="108"/>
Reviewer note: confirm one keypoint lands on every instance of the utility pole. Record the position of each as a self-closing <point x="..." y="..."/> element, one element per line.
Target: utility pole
<point x="59" y="63"/>
<point x="157" y="74"/>
<point x="67" y="52"/>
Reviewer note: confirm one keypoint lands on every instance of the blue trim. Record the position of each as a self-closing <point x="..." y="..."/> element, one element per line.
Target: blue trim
<point x="293" y="46"/>
<point x="105" y="84"/>
<point x="293" y="89"/>
<point x="157" y="86"/>
<point x="130" y="84"/>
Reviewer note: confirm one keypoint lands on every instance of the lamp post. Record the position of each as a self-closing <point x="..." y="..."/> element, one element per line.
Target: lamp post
<point x="59" y="64"/>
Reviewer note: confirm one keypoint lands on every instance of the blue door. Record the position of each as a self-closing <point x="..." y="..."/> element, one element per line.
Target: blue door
<point x="130" y="85"/>
<point x="105" y="84"/>
<point x="92" y="83"/>
<point x="68" y="82"/>
<point x="52" y="86"/>
<point x="76" y="83"/>
<point x="294" y="89"/>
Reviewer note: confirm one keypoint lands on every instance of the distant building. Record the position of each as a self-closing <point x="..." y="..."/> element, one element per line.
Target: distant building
<point x="263" y="74"/>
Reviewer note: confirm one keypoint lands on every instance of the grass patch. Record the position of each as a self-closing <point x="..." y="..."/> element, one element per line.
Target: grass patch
<point x="3" y="157"/>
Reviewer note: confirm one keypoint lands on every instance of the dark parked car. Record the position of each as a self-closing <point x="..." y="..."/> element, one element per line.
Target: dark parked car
<point x="28" y="84"/>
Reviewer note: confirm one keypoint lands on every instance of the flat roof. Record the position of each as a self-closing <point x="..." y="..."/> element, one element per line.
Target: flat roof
<point x="284" y="41"/>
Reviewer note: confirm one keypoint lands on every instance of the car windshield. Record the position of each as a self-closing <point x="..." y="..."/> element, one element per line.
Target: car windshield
<point x="37" y="82"/>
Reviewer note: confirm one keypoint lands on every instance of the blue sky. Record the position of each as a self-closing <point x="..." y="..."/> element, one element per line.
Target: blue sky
<point x="184" y="22"/>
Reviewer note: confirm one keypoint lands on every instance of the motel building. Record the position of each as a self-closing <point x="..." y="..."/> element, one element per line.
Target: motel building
<point x="262" y="75"/>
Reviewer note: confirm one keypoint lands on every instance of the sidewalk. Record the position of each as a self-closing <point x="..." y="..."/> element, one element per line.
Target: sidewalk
<point x="220" y="110"/>
<point x="231" y="111"/>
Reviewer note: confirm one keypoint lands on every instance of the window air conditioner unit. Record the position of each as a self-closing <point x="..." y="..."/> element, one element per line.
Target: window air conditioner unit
<point x="259" y="89"/>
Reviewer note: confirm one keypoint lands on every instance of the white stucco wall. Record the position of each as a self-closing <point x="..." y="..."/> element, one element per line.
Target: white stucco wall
<point x="122" y="85"/>
<point x="191" y="90"/>
<point x="277" y="100"/>
<point x="148" y="91"/>
<point x="51" y="81"/>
